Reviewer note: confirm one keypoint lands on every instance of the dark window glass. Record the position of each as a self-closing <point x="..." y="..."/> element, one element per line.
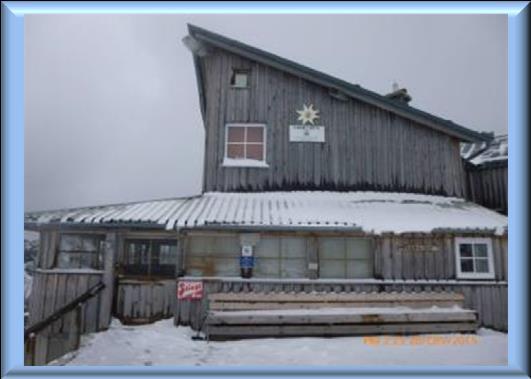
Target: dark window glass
<point x="467" y="265"/>
<point x="466" y="250"/>
<point x="474" y="258"/>
<point x="153" y="258"/>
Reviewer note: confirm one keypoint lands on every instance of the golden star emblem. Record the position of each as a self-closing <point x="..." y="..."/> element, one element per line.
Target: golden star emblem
<point x="308" y="114"/>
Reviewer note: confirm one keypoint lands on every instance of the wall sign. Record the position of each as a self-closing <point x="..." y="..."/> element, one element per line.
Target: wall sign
<point x="247" y="251"/>
<point x="306" y="133"/>
<point x="246" y="262"/>
<point x="418" y="247"/>
<point x="189" y="290"/>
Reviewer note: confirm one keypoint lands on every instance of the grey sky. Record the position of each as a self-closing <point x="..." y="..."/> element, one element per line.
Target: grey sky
<point x="112" y="111"/>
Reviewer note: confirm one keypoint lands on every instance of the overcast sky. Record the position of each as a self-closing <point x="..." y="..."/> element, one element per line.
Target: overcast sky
<point x="112" y="111"/>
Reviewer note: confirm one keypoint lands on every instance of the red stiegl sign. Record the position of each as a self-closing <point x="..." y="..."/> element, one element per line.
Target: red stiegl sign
<point x="189" y="290"/>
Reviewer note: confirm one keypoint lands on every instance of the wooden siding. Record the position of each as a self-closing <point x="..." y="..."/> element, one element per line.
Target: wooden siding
<point x="54" y="288"/>
<point x="143" y="301"/>
<point x="413" y="256"/>
<point x="366" y="148"/>
<point x="51" y="291"/>
<point x="487" y="186"/>
<point x="428" y="257"/>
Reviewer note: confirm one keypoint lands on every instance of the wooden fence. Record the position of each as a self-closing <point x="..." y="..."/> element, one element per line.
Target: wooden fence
<point x="489" y="299"/>
<point x="53" y="289"/>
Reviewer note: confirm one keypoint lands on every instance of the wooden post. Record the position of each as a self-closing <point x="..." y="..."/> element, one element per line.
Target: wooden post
<point x="108" y="279"/>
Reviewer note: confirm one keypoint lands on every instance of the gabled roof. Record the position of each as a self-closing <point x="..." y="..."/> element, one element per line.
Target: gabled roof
<point x="369" y="212"/>
<point x="351" y="90"/>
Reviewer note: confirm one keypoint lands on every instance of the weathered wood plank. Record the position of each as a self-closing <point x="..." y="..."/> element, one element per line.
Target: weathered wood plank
<point x="108" y="279"/>
<point x="222" y="332"/>
<point x="335" y="317"/>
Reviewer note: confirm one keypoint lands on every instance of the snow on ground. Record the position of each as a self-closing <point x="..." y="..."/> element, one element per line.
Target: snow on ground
<point x="163" y="344"/>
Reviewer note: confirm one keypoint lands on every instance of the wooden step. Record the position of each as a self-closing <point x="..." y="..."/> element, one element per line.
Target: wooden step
<point x="339" y="316"/>
<point x="224" y="332"/>
<point x="338" y="322"/>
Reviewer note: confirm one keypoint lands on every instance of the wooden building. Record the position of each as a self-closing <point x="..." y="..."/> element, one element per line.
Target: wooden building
<point x="487" y="172"/>
<point x="310" y="184"/>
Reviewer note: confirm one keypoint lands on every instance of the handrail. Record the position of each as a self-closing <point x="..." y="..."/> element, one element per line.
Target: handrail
<point x="93" y="291"/>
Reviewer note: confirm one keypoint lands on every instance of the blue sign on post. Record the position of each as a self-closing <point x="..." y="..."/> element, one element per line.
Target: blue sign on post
<point x="246" y="262"/>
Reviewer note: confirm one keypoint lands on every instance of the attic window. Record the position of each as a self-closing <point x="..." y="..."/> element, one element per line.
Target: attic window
<point x="239" y="79"/>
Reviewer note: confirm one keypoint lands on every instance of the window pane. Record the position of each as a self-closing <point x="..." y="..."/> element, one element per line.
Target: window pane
<point x="268" y="247"/>
<point x="80" y="251"/>
<point x="89" y="244"/>
<point x="293" y="268"/>
<point x="168" y="254"/>
<point x="235" y="151"/>
<point x="467" y="265"/>
<point x="240" y="79"/>
<point x="66" y="260"/>
<point x="332" y="269"/>
<point x="138" y="252"/>
<point x="359" y="268"/>
<point x="480" y="250"/>
<point x="70" y="242"/>
<point x="482" y="265"/>
<point x="465" y="249"/>
<point x="358" y="248"/>
<point x="331" y="248"/>
<point x="292" y="247"/>
<point x="235" y="134"/>
<point x="255" y="152"/>
<point x="255" y="134"/>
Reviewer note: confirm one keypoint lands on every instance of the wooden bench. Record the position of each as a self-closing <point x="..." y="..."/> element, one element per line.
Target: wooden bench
<point x="250" y="315"/>
<point x="256" y="301"/>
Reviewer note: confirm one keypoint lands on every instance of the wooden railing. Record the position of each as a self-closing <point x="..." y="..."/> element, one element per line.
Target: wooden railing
<point x="74" y="330"/>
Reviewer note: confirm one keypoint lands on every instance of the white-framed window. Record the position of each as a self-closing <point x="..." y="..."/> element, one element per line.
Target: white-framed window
<point x="474" y="258"/>
<point x="239" y="78"/>
<point x="245" y="145"/>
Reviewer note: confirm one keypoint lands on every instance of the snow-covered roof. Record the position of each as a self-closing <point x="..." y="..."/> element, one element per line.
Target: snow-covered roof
<point x="370" y="212"/>
<point x="478" y="153"/>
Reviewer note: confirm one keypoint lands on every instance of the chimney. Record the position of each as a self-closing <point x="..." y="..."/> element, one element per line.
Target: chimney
<point x="399" y="94"/>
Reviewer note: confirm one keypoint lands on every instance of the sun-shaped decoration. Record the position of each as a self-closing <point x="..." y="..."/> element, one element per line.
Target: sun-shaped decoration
<point x="308" y="114"/>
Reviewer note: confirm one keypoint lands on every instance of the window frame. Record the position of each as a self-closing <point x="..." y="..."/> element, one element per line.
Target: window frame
<point x="100" y="252"/>
<point x="236" y="71"/>
<point x="246" y="162"/>
<point x="146" y="270"/>
<point x="473" y="241"/>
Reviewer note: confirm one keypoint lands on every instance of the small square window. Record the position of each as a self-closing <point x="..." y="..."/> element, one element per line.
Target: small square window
<point x="474" y="258"/>
<point x="240" y="79"/>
